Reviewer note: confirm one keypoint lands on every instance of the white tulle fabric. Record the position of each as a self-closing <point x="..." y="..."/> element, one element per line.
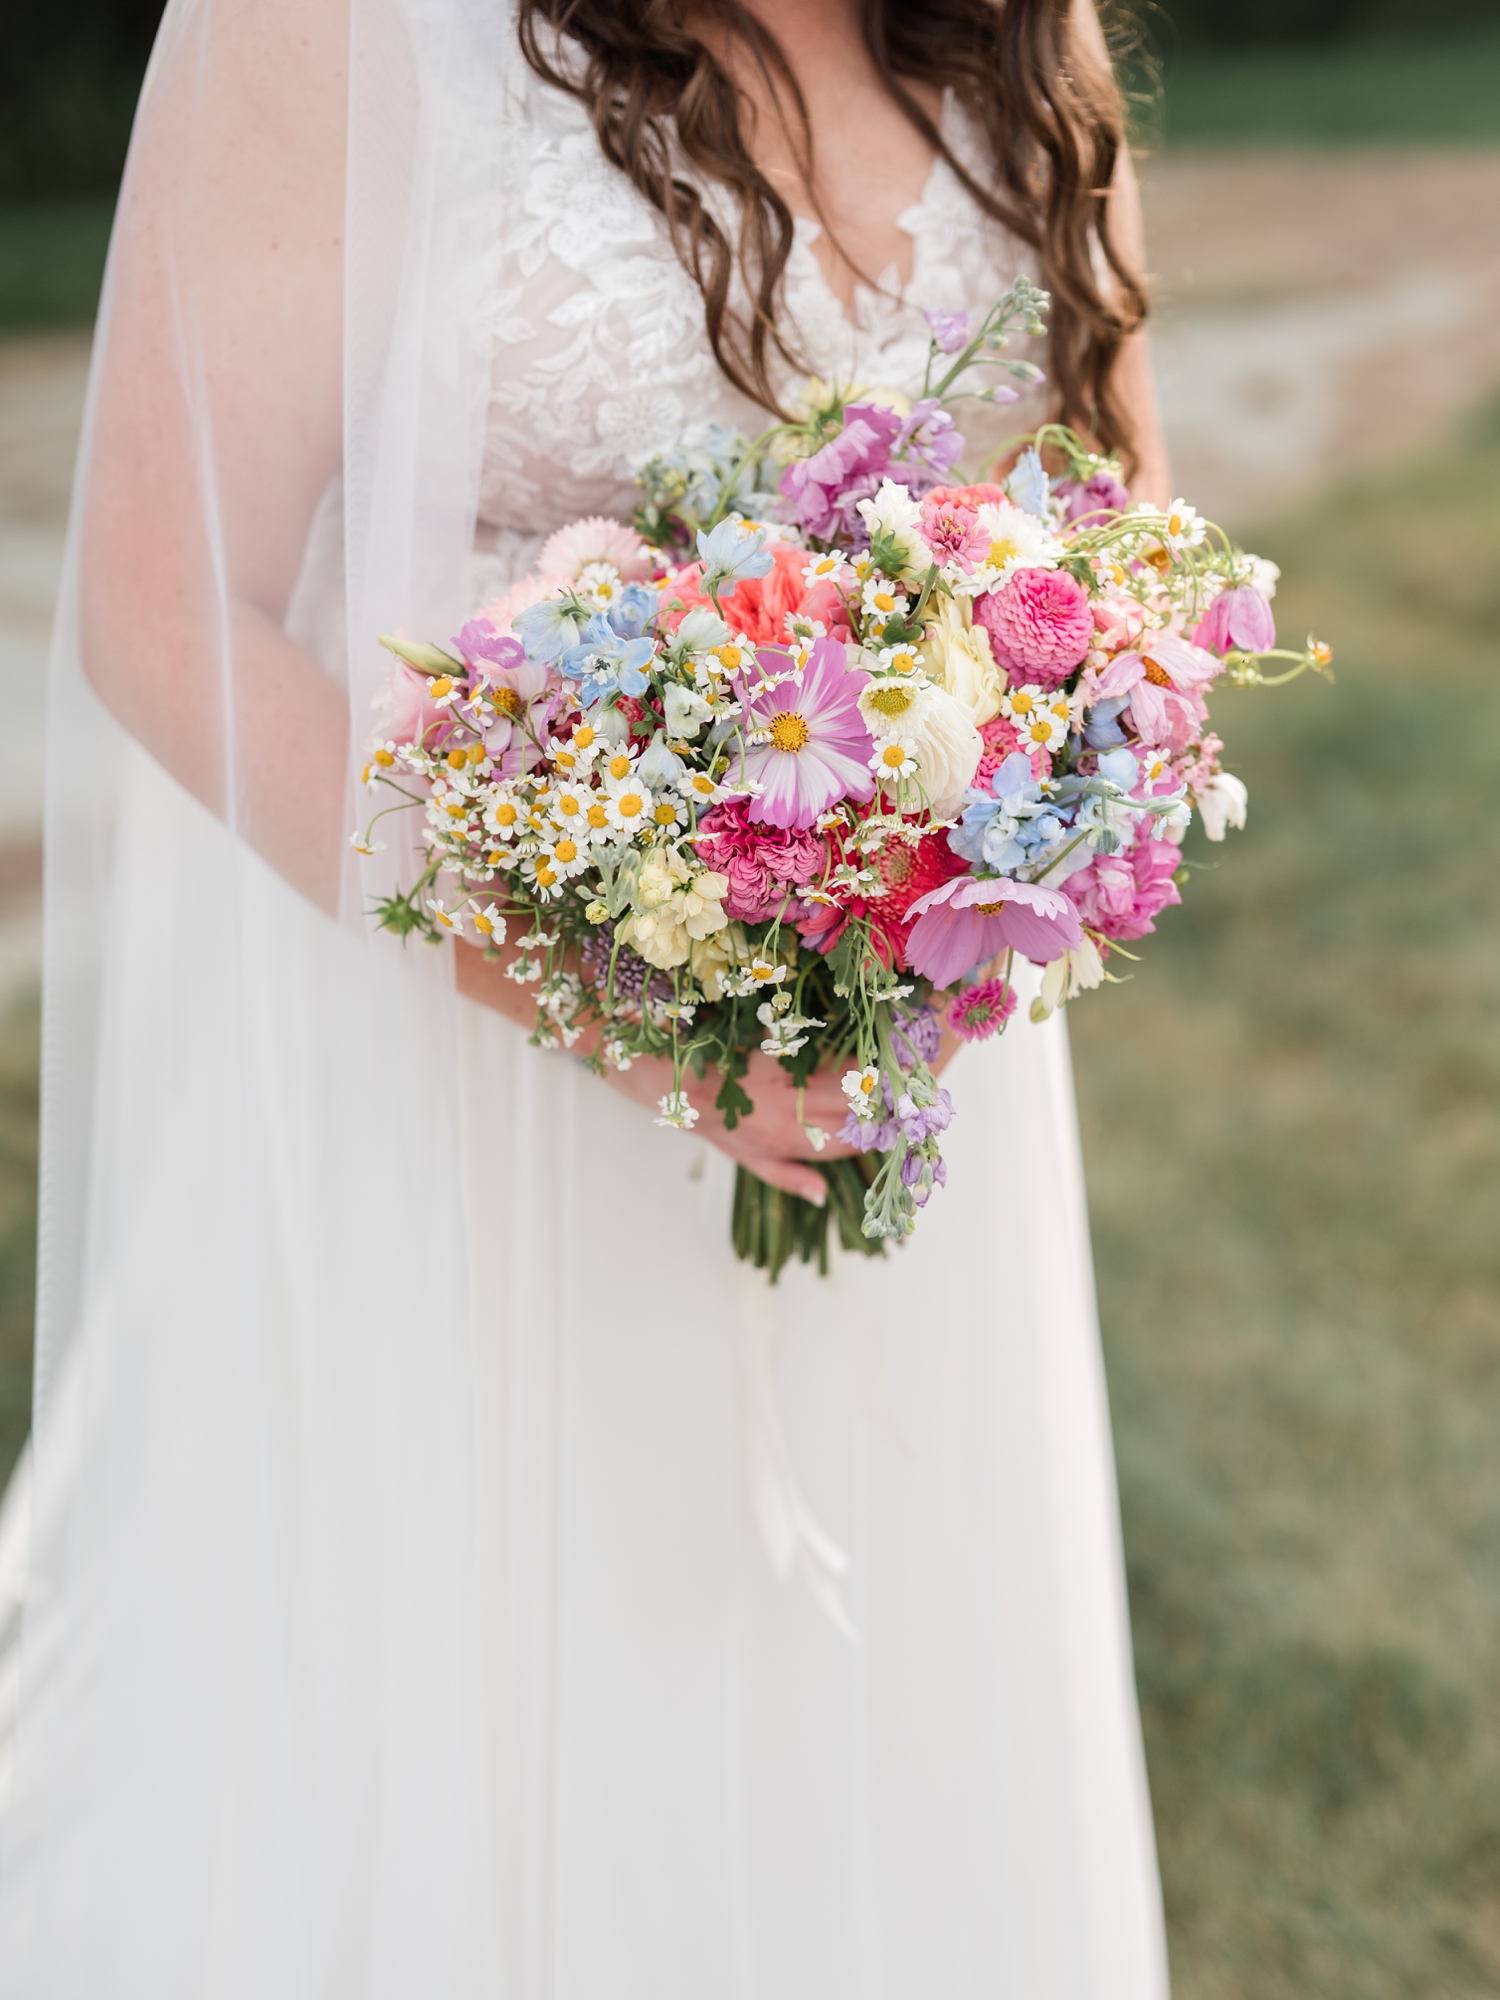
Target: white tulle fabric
<point x="395" y="1616"/>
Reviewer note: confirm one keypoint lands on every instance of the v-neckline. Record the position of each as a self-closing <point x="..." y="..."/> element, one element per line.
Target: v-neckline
<point x="809" y="229"/>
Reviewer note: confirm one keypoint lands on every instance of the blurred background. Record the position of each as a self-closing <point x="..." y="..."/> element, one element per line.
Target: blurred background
<point x="1290" y="1112"/>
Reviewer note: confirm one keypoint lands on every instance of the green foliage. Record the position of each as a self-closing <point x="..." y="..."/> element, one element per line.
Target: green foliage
<point x="69" y="77"/>
<point x="52" y="261"/>
<point x="1292" y="1122"/>
<point x="770" y="1227"/>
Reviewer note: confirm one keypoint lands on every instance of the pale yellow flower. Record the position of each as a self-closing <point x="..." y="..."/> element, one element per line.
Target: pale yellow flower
<point x="956" y="653"/>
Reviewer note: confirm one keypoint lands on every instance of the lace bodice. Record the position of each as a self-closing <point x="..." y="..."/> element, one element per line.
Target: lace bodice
<point x="600" y="353"/>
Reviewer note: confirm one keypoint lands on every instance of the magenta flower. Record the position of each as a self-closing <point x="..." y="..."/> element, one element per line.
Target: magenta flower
<point x="818" y="746"/>
<point x="822" y="492"/>
<point x="983" y="1010"/>
<point x="952" y="532"/>
<point x="1238" y="620"/>
<point x="1040" y="622"/>
<point x="1094" y="499"/>
<point x="969" y="920"/>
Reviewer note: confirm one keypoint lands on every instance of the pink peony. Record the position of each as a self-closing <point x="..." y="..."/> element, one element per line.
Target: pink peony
<point x="1120" y="895"/>
<point x="762" y="863"/>
<point x="983" y="1010"/>
<point x="1040" y="622"/>
<point x="1239" y="620"/>
<point x="969" y="920"/>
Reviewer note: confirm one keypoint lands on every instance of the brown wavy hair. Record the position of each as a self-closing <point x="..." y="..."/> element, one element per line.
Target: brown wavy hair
<point x="1051" y="111"/>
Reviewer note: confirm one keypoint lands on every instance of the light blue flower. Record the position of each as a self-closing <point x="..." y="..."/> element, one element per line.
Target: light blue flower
<point x="1029" y="485"/>
<point x="1121" y="769"/>
<point x="633" y="610"/>
<point x="549" y="628"/>
<point x="730" y="553"/>
<point x="1102" y="730"/>
<point x="660" y="767"/>
<point x="605" y="663"/>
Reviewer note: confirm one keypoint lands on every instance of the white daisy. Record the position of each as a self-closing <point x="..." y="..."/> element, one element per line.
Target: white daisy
<point x="1018" y="540"/>
<point x="895" y="759"/>
<point x="860" y="1087"/>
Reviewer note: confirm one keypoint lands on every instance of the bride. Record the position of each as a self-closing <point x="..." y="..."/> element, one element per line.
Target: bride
<point x="445" y="1570"/>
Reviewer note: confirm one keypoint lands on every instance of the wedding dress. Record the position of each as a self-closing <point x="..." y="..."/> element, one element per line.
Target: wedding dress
<point x="447" y="1570"/>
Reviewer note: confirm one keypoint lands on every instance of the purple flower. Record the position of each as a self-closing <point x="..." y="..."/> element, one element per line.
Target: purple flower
<point x="481" y="639"/>
<point x="868" y="1135"/>
<point x="930" y="445"/>
<point x="822" y="492"/>
<point x="818" y="744"/>
<point x="922" y="1175"/>
<point x="924" y="1121"/>
<point x="1238" y="620"/>
<point x="969" y="920"/>
<point x="1096" y="497"/>
<point x="920" y="1038"/>
<point x="950" y="331"/>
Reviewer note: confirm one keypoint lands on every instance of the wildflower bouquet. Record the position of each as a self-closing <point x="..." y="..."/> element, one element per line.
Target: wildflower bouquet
<point x="807" y="757"/>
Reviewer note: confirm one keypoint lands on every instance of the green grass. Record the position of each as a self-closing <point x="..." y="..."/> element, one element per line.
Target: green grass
<point x="1445" y="91"/>
<point x="52" y="262"/>
<point x="1292" y="1124"/>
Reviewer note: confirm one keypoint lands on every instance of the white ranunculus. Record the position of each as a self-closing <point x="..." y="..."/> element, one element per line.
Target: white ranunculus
<point x="939" y="729"/>
<point x="956" y="652"/>
<point x="1222" y="804"/>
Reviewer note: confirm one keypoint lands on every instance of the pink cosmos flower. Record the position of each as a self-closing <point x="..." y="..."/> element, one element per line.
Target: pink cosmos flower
<point x="1239" y="619"/>
<point x="953" y="533"/>
<point x="1040" y="622"/>
<point x="819" y="747"/>
<point x="983" y="1010"/>
<point x="970" y="920"/>
<point x="1164" y="681"/>
<point x="1121" y="895"/>
<point x="763" y="865"/>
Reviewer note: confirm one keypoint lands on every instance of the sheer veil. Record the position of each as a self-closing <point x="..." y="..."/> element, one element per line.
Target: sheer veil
<point x="282" y="431"/>
<point x="394" y="1621"/>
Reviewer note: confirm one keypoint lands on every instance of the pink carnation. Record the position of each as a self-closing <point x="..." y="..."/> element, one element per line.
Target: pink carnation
<point x="983" y="1010"/>
<point x="1041" y="622"/>
<point x="1120" y="895"/>
<point x="762" y="862"/>
<point x="1000" y="741"/>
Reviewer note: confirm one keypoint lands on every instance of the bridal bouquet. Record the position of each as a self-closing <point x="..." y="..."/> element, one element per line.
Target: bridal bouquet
<point x="808" y="756"/>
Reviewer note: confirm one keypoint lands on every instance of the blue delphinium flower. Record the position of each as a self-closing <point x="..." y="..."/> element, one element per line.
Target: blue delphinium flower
<point x="1029" y="485"/>
<point x="605" y="663"/>
<point x="1103" y="731"/>
<point x="633" y="610"/>
<point x="731" y="552"/>
<point x="1012" y="824"/>
<point x="550" y="628"/>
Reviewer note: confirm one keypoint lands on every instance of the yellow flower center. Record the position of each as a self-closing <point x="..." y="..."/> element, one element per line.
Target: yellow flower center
<point x="1002" y="550"/>
<point x="583" y="736"/>
<point x="1158" y="676"/>
<point x="457" y="812"/>
<point x="457" y="759"/>
<point x="544" y="875"/>
<point x="703" y="786"/>
<point x="619" y="766"/>
<point x="569" y="805"/>
<point x="665" y="815"/>
<point x="443" y="685"/>
<point x="1040" y="730"/>
<point x="630" y="803"/>
<point x="892" y="700"/>
<point x="1174" y="524"/>
<point x="789" y="731"/>
<point x="597" y="816"/>
<point x="505" y="814"/>
<point x="883" y="601"/>
<point x="364" y="776"/>
<point x="893" y="756"/>
<point x="867" y="1084"/>
<point x="385" y="758"/>
<point x="506" y="700"/>
<point x="731" y="657"/>
<point x="566" y="851"/>
<point x="1021" y="704"/>
<point x="482" y="923"/>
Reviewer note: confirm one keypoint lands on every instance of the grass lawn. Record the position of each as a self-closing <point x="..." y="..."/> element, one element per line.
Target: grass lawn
<point x="1443" y="91"/>
<point x="52" y="261"/>
<point x="1292" y="1124"/>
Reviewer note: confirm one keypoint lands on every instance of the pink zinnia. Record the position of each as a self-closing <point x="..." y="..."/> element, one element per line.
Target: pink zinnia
<point x="953" y="533"/>
<point x="1041" y="621"/>
<point x="983" y="1010"/>
<point x="819" y="747"/>
<point x="971" y="920"/>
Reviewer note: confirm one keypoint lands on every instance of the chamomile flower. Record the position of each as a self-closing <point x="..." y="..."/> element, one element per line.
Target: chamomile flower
<point x="487" y="921"/>
<point x="860" y="1086"/>
<point x="443" y="690"/>
<point x="1017" y="540"/>
<point x="700" y="788"/>
<point x="363" y="845"/>
<point x="895" y="759"/>
<point x="382" y="757"/>
<point x="1184" y="528"/>
<point x="566" y="856"/>
<point x="899" y="659"/>
<point x="566" y="806"/>
<point x="1019" y="704"/>
<point x="503" y="817"/>
<point x="1042" y="729"/>
<point x="881" y="599"/>
<point x="666" y="813"/>
<point x="832" y="568"/>
<point x="448" y="920"/>
<point x="627" y="798"/>
<point x="542" y="876"/>
<point x="676" y="1111"/>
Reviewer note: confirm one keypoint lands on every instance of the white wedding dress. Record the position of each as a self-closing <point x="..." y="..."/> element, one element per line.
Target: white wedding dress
<point x="439" y="1545"/>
